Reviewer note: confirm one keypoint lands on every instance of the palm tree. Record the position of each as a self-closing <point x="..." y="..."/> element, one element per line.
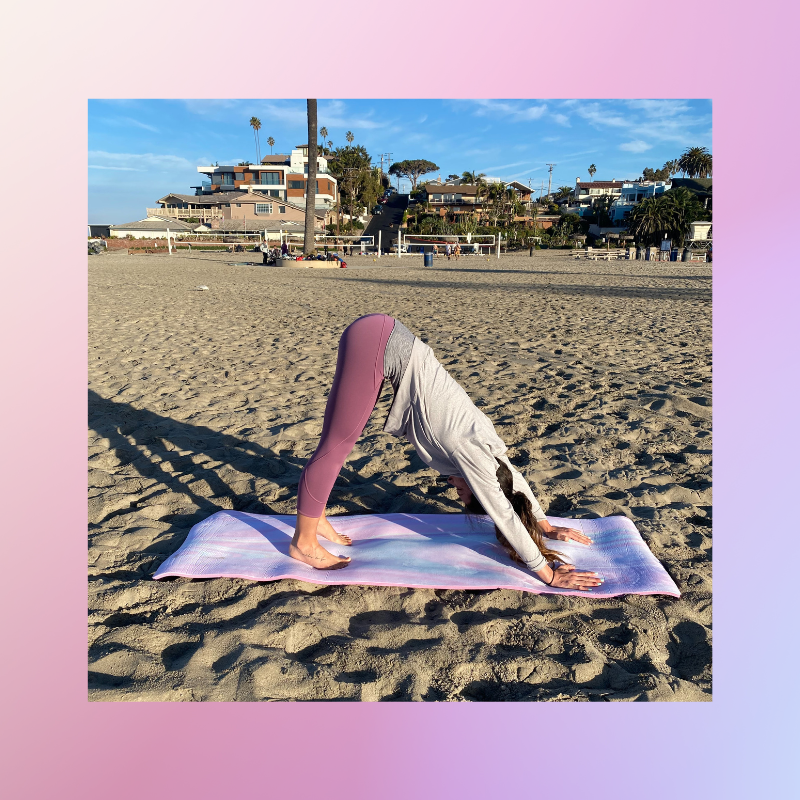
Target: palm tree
<point x="255" y="124"/>
<point x="650" y="220"/>
<point x="323" y="132"/>
<point x="311" y="182"/>
<point x="684" y="208"/>
<point x="673" y="167"/>
<point x="564" y="192"/>
<point x="349" y="136"/>
<point x="592" y="170"/>
<point x="481" y="187"/>
<point x="330" y="145"/>
<point x="695" y="162"/>
<point x="270" y="142"/>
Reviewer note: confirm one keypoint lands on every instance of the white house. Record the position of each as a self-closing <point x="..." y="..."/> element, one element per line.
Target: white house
<point x="632" y="193"/>
<point x="283" y="177"/>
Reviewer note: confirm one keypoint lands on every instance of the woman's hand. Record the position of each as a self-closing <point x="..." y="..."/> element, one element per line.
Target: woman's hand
<point x="567" y="577"/>
<point x="561" y="534"/>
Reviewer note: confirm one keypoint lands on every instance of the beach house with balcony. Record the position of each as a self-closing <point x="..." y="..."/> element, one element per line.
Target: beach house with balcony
<point x="458" y="199"/>
<point x="631" y="194"/>
<point x="251" y="205"/>
<point x="586" y="192"/>
<point x="284" y="177"/>
<point x="453" y="198"/>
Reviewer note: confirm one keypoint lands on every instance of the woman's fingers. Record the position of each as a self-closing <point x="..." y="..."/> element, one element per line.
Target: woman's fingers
<point x="571" y="534"/>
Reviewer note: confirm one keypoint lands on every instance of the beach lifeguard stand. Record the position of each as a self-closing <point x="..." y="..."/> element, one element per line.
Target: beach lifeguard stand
<point x="699" y="237"/>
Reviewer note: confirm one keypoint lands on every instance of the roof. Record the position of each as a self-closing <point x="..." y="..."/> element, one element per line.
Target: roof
<point x="203" y="199"/>
<point x="451" y="188"/>
<point x="233" y="197"/>
<point x="520" y="187"/>
<point x="601" y="184"/>
<point x="695" y="184"/>
<point x="278" y="158"/>
<point x="155" y="224"/>
<point x="244" y="225"/>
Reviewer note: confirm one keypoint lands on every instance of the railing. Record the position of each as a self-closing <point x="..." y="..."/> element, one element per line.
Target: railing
<point x="186" y="213"/>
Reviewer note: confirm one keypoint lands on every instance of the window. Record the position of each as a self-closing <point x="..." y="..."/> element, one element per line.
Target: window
<point x="240" y="176"/>
<point x="282" y="209"/>
<point x="297" y="184"/>
<point x="263" y="208"/>
<point x="238" y="205"/>
<point x="270" y="178"/>
<point x="274" y="193"/>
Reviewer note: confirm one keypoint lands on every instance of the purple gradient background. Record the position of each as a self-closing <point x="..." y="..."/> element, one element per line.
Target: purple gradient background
<point x="56" y="744"/>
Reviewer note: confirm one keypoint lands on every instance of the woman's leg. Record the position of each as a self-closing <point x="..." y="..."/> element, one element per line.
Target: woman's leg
<point x="355" y="389"/>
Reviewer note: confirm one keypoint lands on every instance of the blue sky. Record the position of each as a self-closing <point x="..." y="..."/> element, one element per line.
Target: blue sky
<point x="139" y="150"/>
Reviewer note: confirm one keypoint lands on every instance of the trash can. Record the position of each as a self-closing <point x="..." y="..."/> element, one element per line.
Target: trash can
<point x="673" y="256"/>
<point x="428" y="260"/>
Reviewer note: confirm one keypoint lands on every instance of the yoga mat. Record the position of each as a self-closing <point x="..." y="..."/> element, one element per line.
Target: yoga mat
<point x="436" y="551"/>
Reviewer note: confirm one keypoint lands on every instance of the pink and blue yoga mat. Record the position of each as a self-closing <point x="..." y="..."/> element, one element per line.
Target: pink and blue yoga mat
<point x="430" y="551"/>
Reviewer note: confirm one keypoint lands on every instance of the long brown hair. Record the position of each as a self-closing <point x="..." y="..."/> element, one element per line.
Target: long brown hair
<point x="523" y="509"/>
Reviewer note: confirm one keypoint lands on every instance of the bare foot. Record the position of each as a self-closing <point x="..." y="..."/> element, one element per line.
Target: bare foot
<point x="326" y="531"/>
<point x="319" y="557"/>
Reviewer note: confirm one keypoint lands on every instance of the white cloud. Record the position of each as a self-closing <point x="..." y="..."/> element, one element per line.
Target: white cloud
<point x="126" y="122"/>
<point x="506" y="166"/>
<point x="138" y="161"/>
<point x="659" y="108"/>
<point x="121" y="169"/>
<point x="520" y="113"/>
<point x="654" y="120"/>
<point x="561" y="119"/>
<point x="209" y="108"/>
<point x="334" y="112"/>
<point x="636" y="146"/>
<point x="137" y="124"/>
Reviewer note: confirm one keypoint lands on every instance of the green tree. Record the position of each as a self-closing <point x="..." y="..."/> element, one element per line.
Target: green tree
<point x="472" y="177"/>
<point x="650" y="220"/>
<point x="349" y="136"/>
<point x="270" y="142"/>
<point x="350" y="165"/>
<point x="311" y="181"/>
<point x="650" y="174"/>
<point x="323" y="132"/>
<point x="683" y="209"/>
<point x="255" y="124"/>
<point x="592" y="170"/>
<point x="672" y="167"/>
<point x="412" y="169"/>
<point x="564" y="192"/>
<point x="696" y="162"/>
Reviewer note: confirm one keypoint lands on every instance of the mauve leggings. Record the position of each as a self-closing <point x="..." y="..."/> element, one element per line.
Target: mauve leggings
<point x="355" y="390"/>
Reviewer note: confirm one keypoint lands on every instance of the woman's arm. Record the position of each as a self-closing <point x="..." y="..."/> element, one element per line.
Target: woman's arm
<point x="478" y="468"/>
<point x="542" y="524"/>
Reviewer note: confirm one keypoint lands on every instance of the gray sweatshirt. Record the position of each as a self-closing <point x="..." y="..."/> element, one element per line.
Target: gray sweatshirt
<point x="454" y="437"/>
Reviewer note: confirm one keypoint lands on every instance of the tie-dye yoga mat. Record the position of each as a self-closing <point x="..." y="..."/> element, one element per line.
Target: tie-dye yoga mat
<point x="435" y="551"/>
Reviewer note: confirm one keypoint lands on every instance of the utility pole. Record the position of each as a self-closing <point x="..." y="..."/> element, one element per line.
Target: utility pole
<point x="550" y="180"/>
<point x="388" y="164"/>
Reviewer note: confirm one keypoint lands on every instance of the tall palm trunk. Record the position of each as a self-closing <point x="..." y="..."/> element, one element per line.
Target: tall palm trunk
<point x="311" y="182"/>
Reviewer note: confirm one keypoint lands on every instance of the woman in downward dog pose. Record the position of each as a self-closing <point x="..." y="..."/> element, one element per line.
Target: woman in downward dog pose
<point x="450" y="435"/>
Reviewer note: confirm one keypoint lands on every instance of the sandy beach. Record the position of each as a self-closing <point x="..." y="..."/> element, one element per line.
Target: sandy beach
<point x="597" y="375"/>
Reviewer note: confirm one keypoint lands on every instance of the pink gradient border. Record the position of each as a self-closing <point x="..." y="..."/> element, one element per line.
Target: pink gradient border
<point x="56" y="744"/>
